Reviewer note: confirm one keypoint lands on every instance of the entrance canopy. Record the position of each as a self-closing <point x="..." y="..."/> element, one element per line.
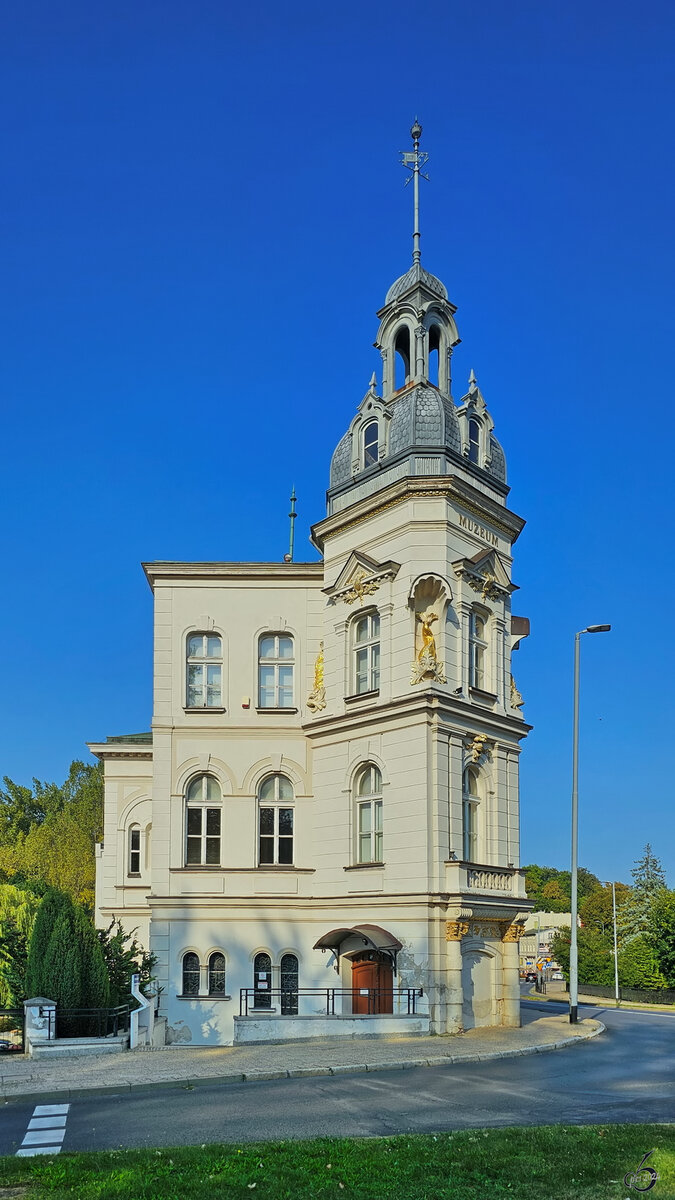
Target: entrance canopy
<point x="371" y="937"/>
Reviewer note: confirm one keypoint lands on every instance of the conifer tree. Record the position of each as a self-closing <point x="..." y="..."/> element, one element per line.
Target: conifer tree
<point x="94" y="981"/>
<point x="47" y="915"/>
<point x="635" y="915"/>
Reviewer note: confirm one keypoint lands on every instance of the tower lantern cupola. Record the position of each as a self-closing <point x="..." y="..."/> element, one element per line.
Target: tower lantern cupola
<point x="413" y="426"/>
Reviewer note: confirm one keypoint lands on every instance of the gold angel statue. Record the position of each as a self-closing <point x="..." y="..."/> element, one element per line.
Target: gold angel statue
<point x="428" y="640"/>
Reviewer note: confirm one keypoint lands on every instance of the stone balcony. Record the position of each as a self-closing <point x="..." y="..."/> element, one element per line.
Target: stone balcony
<point x="479" y="879"/>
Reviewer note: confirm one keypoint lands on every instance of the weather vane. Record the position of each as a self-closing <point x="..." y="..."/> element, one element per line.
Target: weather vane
<point x="416" y="159"/>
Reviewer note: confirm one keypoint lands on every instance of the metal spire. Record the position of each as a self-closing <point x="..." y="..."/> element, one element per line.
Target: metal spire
<point x="292" y="515"/>
<point x="417" y="159"/>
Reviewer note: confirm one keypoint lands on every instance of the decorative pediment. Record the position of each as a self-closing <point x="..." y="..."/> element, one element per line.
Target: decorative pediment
<point x="359" y="578"/>
<point x="486" y="574"/>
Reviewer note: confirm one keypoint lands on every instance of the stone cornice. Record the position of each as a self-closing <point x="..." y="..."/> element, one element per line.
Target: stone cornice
<point x="452" y="487"/>
<point x="273" y="572"/>
<point x="103" y="750"/>
<point x="427" y="705"/>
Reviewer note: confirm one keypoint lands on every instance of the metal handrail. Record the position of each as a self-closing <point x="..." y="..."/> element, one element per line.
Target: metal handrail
<point x="409" y="995"/>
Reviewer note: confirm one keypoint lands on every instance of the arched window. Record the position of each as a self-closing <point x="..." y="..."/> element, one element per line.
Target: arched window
<point x="275" y="671"/>
<point x="134" y="867"/>
<point x="275" y="821"/>
<point x="402" y="357"/>
<point x="470" y="799"/>
<point x="289" y="985"/>
<point x="204" y="671"/>
<point x="477" y="650"/>
<point x="434" y="354"/>
<point x="262" y="981"/>
<point x="217" y="974"/>
<point x="474" y="441"/>
<point x="203" y="822"/>
<point x="190" y="974"/>
<point x="368" y="799"/>
<point x="370" y="444"/>
<point x="366" y="653"/>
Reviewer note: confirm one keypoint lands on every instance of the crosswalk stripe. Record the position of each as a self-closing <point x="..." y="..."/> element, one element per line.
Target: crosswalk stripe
<point x="46" y="1130"/>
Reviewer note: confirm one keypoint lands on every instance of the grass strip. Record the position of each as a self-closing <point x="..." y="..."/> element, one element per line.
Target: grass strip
<point x="562" y="1162"/>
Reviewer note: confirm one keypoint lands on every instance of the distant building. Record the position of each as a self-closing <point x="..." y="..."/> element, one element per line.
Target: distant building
<point x="538" y="934"/>
<point x="321" y="833"/>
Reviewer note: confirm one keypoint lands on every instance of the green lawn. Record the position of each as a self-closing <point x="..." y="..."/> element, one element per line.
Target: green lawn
<point x="549" y="1163"/>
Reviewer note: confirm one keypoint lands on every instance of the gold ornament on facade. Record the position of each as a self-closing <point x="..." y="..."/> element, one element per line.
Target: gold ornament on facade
<point x="487" y="585"/>
<point x="512" y="931"/>
<point x="516" y="697"/>
<point x="456" y="930"/>
<point x="426" y="665"/>
<point x="317" y="697"/>
<point x="361" y="586"/>
<point x="477" y="746"/>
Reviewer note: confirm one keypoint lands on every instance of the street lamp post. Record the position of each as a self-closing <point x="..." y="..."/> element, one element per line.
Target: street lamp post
<point x="574" y="952"/>
<point x="616" y="953"/>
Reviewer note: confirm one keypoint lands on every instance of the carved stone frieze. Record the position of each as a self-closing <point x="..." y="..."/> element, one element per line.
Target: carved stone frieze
<point x="513" y="931"/>
<point x="456" y="930"/>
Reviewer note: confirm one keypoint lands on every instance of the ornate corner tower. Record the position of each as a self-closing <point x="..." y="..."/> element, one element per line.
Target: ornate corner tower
<point x="416" y="654"/>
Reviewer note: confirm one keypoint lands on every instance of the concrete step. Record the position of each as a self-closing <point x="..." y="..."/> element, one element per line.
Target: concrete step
<point x="74" y="1047"/>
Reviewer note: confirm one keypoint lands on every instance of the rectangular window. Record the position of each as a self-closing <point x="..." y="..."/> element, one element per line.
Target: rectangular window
<point x="276" y="836"/>
<point x="204" y="671"/>
<point x="203" y="837"/>
<point x="366" y="651"/>
<point x="477" y="651"/>
<point x="135" y="851"/>
<point x="469" y="814"/>
<point x="370" y="832"/>
<point x="275" y="671"/>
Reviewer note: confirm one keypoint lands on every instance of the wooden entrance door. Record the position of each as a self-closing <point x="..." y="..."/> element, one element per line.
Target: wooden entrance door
<point x="372" y="985"/>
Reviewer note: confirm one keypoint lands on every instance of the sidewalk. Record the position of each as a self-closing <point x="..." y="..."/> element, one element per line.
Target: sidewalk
<point x="562" y="997"/>
<point x="28" y="1079"/>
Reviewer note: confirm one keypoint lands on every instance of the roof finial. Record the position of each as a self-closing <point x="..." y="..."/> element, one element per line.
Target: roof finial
<point x="288" y="558"/>
<point x="472" y="381"/>
<point x="417" y="159"/>
<point x="373" y="383"/>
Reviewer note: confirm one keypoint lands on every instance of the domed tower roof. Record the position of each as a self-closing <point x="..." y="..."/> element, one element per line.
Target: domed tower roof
<point x="414" y="427"/>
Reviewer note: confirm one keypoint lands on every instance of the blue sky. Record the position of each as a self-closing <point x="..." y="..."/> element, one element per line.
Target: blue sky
<point x="202" y="209"/>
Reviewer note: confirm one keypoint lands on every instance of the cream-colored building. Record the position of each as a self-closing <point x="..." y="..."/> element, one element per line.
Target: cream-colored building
<point x="321" y="833"/>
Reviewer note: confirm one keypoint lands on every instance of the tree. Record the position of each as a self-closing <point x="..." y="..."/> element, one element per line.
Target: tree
<point x="554" y="897"/>
<point x="663" y="933"/>
<point x="18" y="910"/>
<point x="636" y="913"/>
<point x="124" y="957"/>
<point x="47" y="834"/>
<point x="43" y="928"/>
<point x="596" y="909"/>
<point x="639" y="965"/>
<point x="596" y="962"/>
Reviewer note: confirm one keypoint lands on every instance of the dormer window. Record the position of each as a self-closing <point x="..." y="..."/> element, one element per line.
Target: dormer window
<point x="370" y="444"/>
<point x="474" y="440"/>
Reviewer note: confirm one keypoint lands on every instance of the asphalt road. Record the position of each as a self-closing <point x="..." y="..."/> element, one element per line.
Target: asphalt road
<point x="627" y="1074"/>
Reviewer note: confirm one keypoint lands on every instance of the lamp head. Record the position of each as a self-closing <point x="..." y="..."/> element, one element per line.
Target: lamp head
<point x="597" y="629"/>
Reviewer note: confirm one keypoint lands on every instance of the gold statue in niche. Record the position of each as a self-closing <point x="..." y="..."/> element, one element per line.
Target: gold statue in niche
<point x="428" y="639"/>
<point x="426" y="665"/>
<point x="316" y="701"/>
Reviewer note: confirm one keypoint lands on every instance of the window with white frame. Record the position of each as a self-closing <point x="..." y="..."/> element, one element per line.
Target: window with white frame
<point x="477" y="650"/>
<point x="368" y="799"/>
<point x="203" y="815"/>
<point x="470" y="801"/>
<point x="366" y="653"/>
<point x="474" y="441"/>
<point x="216" y="974"/>
<point x="134" y="867"/>
<point x="370" y="444"/>
<point x="275" y="671"/>
<point x="275" y="821"/>
<point x="204" y="671"/>
<point x="191" y="974"/>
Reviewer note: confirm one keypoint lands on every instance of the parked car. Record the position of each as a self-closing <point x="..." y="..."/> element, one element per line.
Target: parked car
<point x="5" y="1046"/>
<point x="557" y="975"/>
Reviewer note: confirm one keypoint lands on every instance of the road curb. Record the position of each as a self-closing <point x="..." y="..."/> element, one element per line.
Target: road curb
<point x="442" y="1060"/>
